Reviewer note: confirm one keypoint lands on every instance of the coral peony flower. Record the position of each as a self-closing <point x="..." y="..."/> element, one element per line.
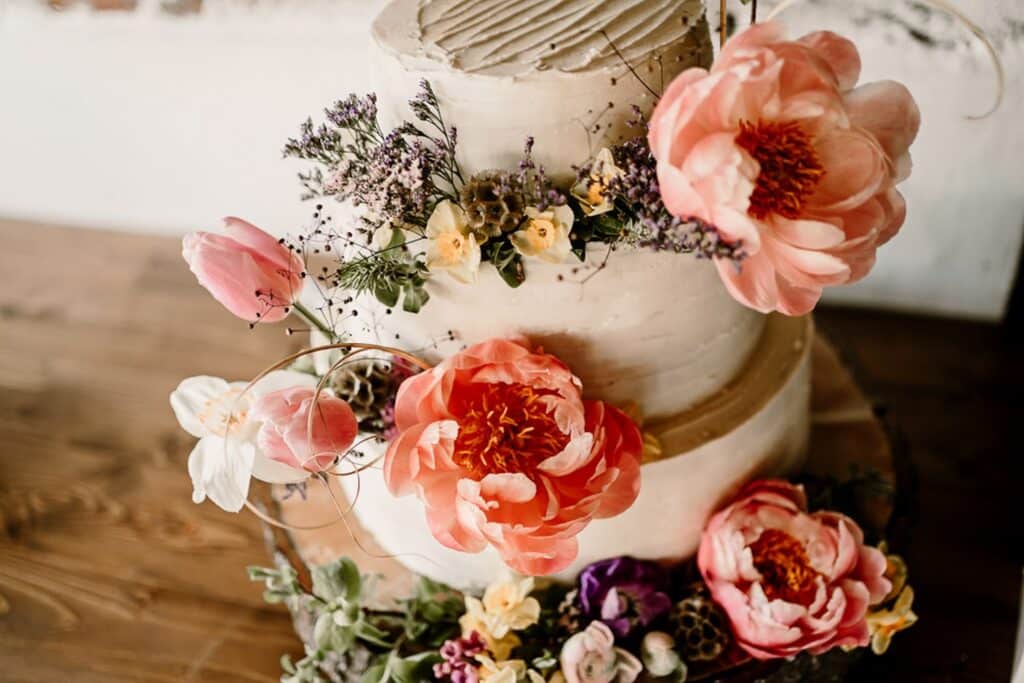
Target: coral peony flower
<point x="591" y="657"/>
<point x="776" y="148"/>
<point x="623" y="592"/>
<point x="790" y="581"/>
<point x="220" y="415"/>
<point x="284" y="434"/>
<point x="500" y="446"/>
<point x="247" y="270"/>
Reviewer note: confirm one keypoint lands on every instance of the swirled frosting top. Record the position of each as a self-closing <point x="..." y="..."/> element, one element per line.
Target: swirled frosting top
<point x="503" y="38"/>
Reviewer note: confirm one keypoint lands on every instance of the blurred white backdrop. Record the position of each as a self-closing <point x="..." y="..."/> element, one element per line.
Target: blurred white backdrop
<point x="155" y="122"/>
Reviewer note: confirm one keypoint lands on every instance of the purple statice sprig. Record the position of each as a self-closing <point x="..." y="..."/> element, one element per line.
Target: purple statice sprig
<point x="396" y="177"/>
<point x="640" y="216"/>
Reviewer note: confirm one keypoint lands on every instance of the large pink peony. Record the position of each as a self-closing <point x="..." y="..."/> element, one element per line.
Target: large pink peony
<point x="790" y="581"/>
<point x="247" y="270"/>
<point x="500" y="446"/>
<point x="777" y="148"/>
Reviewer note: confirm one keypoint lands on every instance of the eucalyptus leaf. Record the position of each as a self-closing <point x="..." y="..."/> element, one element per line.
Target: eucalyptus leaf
<point x="387" y="292"/>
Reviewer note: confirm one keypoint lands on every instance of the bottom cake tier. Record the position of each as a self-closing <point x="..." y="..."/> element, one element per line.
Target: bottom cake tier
<point x="755" y="427"/>
<point x="849" y="468"/>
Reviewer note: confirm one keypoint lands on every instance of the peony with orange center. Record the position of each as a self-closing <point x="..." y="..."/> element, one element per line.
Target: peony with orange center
<point x="788" y="580"/>
<point x="506" y="428"/>
<point x="779" y="149"/>
<point x="499" y="444"/>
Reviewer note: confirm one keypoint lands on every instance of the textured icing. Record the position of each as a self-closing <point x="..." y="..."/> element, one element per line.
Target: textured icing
<point x="514" y="38"/>
<point x="497" y="85"/>
<point x="657" y="329"/>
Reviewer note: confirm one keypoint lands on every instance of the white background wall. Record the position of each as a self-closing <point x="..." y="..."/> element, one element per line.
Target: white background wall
<point x="149" y="122"/>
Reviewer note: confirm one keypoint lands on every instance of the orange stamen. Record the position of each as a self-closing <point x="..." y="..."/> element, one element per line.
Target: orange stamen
<point x="506" y="428"/>
<point x="784" y="567"/>
<point x="790" y="167"/>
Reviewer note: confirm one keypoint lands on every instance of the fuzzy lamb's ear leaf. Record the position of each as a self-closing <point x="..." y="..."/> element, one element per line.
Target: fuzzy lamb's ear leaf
<point x="338" y="580"/>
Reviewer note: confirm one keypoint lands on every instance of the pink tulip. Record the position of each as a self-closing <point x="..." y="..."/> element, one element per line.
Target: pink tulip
<point x="247" y="270"/>
<point x="790" y="581"/>
<point x="776" y="148"/>
<point x="500" y="446"/>
<point x="284" y="434"/>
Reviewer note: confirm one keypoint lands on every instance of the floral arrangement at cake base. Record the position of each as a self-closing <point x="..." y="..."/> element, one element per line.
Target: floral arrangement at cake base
<point x="774" y="587"/>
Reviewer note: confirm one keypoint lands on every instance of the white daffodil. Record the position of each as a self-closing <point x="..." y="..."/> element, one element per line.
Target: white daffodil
<point x="546" y="234"/>
<point x="592" y="192"/>
<point x="226" y="457"/>
<point x="452" y="246"/>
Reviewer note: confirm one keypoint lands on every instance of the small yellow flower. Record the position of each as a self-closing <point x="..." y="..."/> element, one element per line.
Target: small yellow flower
<point x="477" y="619"/>
<point x="501" y="671"/>
<point x="592" y="193"/>
<point x="452" y="246"/>
<point x="546" y="235"/>
<point x="509" y="604"/>
<point x="506" y="607"/>
<point x="884" y="623"/>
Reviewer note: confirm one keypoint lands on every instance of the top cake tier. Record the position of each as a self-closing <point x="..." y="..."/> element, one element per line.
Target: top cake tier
<point x="565" y="72"/>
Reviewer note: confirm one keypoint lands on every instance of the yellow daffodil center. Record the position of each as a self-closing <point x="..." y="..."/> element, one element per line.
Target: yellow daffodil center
<point x="541" y="233"/>
<point x="506" y="428"/>
<point x="790" y="167"/>
<point x="451" y="247"/>
<point x="785" y="569"/>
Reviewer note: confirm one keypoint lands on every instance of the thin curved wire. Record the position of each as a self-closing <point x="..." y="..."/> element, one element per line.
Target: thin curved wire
<point x="979" y="33"/>
<point x="349" y="350"/>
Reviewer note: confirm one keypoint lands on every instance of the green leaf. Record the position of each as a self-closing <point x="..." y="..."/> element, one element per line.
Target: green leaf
<point x="415" y="299"/>
<point x="507" y="260"/>
<point x="412" y="669"/>
<point x="375" y="674"/>
<point x="340" y="579"/>
<point x="387" y="292"/>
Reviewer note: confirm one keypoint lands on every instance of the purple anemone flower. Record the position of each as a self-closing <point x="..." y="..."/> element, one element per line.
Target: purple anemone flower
<point x="623" y="592"/>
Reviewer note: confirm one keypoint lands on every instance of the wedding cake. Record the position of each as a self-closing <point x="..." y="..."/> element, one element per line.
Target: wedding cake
<point x="559" y="282"/>
<point x="725" y="386"/>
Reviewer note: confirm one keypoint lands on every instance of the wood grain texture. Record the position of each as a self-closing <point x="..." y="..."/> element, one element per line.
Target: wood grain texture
<point x="108" y="572"/>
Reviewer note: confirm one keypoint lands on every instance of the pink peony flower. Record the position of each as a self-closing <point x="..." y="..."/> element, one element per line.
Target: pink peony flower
<point x="500" y="446"/>
<point x="247" y="270"/>
<point x="284" y="434"/>
<point x="790" y="581"/>
<point x="776" y="148"/>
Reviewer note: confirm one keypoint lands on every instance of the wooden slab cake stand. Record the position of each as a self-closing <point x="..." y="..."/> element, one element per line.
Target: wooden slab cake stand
<point x="847" y="439"/>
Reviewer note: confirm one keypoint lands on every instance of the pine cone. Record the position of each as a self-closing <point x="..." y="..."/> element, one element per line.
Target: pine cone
<point x="494" y="203"/>
<point x="365" y="386"/>
<point x="700" y="629"/>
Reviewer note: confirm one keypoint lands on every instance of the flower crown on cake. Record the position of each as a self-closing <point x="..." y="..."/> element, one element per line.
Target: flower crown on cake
<point x="774" y="164"/>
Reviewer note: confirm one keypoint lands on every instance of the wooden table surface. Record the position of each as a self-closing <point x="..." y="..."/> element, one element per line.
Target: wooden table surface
<point x="108" y="571"/>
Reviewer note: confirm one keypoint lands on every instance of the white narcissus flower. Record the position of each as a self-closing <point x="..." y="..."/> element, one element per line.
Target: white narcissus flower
<point x="226" y="457"/>
<point x="592" y="193"/>
<point x="546" y="234"/>
<point x="452" y="246"/>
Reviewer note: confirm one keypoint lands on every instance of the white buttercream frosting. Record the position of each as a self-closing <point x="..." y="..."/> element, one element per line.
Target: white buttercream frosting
<point x="504" y="71"/>
<point x="657" y="329"/>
